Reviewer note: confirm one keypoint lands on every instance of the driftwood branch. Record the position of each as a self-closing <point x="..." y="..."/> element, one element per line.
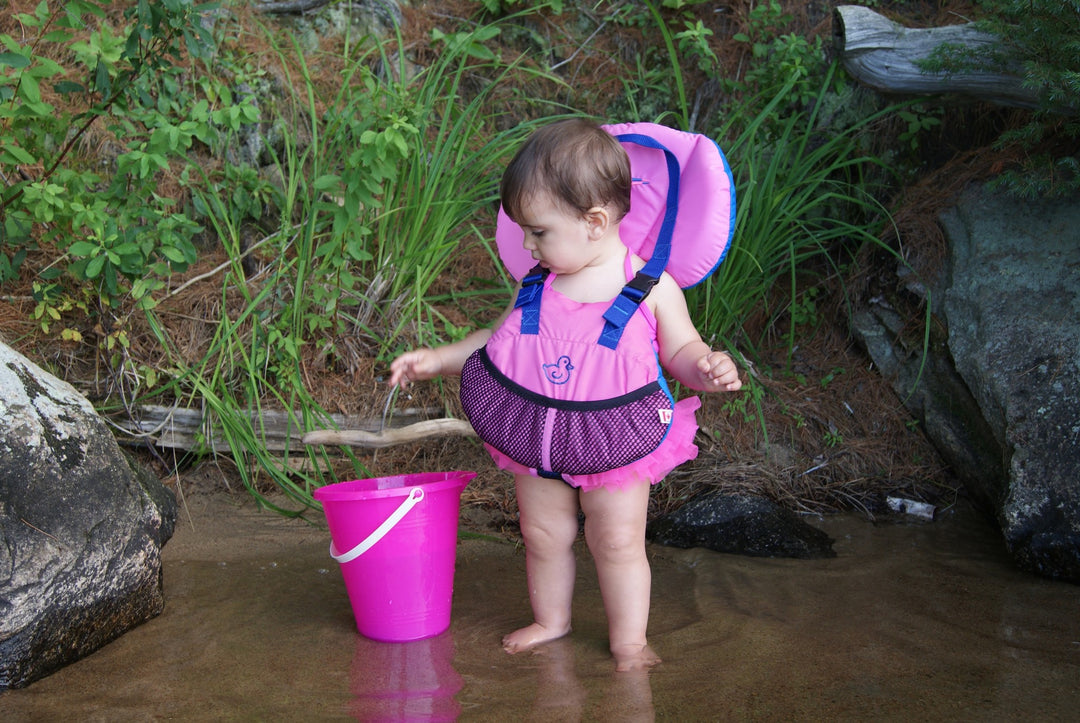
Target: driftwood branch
<point x="885" y="56"/>
<point x="447" y="427"/>
<point x="187" y="429"/>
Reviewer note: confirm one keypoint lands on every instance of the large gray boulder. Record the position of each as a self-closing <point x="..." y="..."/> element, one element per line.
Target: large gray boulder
<point x="81" y="527"/>
<point x="999" y="393"/>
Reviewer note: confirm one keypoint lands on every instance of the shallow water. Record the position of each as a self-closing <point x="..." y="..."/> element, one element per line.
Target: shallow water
<point x="919" y="621"/>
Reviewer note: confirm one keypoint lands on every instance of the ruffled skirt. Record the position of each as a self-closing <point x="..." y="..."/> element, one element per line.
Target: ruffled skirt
<point x="678" y="447"/>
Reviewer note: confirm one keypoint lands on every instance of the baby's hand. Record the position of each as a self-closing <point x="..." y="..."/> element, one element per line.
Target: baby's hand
<point x="718" y="372"/>
<point x="414" y="366"/>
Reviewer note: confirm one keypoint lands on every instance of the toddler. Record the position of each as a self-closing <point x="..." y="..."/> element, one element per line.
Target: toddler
<point x="568" y="188"/>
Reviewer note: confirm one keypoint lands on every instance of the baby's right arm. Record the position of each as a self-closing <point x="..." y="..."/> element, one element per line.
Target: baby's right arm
<point x="426" y="362"/>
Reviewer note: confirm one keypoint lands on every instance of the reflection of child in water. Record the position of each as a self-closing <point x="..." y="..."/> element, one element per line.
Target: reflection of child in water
<point x="569" y="188"/>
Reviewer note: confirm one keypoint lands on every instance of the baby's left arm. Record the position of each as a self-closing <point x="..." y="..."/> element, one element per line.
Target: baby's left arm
<point x="682" y="352"/>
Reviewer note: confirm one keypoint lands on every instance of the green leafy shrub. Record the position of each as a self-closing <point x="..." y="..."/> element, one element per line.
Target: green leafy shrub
<point x="117" y="233"/>
<point x="395" y="164"/>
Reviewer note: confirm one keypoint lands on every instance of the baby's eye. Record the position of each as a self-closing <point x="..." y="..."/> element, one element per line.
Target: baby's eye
<point x="536" y="233"/>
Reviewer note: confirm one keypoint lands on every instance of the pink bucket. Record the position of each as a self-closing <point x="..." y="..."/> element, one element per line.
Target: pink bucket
<point x="396" y="541"/>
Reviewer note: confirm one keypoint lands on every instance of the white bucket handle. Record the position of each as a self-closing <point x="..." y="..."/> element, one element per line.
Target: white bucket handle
<point x="415" y="495"/>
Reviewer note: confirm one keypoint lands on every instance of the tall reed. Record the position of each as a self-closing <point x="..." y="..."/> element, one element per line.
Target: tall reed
<point x="397" y="161"/>
<point x="803" y="193"/>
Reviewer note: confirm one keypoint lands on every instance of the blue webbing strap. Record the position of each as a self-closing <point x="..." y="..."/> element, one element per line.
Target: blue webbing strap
<point x="528" y="299"/>
<point x="620" y="311"/>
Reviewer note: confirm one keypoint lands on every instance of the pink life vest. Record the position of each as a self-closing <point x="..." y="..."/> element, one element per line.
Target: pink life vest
<point x="554" y="389"/>
<point x="552" y="400"/>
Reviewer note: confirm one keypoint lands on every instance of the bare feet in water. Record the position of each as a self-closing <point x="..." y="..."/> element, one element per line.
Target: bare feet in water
<point x="530" y="636"/>
<point x="633" y="657"/>
<point x="628" y="657"/>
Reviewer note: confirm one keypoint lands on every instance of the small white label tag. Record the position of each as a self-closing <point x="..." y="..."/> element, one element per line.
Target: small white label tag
<point x="665" y="416"/>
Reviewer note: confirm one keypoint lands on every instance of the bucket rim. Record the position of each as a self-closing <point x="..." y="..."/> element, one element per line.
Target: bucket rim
<point x="369" y="488"/>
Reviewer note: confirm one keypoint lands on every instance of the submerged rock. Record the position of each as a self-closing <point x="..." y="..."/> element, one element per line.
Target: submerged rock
<point x="81" y="527"/>
<point x="740" y="525"/>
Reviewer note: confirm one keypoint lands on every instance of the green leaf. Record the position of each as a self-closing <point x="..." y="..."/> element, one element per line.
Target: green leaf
<point x="126" y="248"/>
<point x="82" y="248"/>
<point x="67" y="86"/>
<point x="102" y="81"/>
<point x="29" y="90"/>
<point x="173" y="254"/>
<point x="15" y="154"/>
<point x="15" y="60"/>
<point x="93" y="269"/>
<point x="327" y="182"/>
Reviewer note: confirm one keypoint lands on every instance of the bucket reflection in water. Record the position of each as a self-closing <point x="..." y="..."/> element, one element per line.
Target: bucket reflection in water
<point x="413" y="681"/>
<point x="396" y="540"/>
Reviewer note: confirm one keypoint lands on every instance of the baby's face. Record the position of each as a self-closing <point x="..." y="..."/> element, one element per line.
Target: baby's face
<point x="557" y="238"/>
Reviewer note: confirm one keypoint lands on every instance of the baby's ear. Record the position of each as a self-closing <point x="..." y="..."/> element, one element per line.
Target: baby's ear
<point x="598" y="219"/>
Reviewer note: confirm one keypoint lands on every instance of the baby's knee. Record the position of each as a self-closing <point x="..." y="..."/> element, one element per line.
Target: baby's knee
<point x="549" y="534"/>
<point x="615" y="543"/>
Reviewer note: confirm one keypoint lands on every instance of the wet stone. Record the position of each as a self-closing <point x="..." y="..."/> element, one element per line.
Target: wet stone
<point x="741" y="525"/>
<point x="81" y="528"/>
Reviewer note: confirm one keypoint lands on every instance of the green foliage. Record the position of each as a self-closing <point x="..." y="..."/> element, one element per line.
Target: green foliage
<point x="803" y="193"/>
<point x="746" y="403"/>
<point x="917" y="120"/>
<point x="777" y="62"/>
<point x="1040" y="39"/>
<point x="831" y="376"/>
<point x="500" y="8"/>
<point x="377" y="183"/>
<point x="656" y="89"/>
<point x="694" y="42"/>
<point x="371" y="210"/>
<point x="779" y="59"/>
<point x="804" y="309"/>
<point x="681" y="4"/>
<point x="119" y="234"/>
<point x="388" y="203"/>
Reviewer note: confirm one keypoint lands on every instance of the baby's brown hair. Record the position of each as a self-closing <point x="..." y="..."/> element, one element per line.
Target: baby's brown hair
<point x="576" y="163"/>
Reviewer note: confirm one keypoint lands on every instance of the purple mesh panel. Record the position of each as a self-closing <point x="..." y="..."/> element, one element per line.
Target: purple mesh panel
<point x="583" y="442"/>
<point x="599" y="440"/>
<point x="510" y="424"/>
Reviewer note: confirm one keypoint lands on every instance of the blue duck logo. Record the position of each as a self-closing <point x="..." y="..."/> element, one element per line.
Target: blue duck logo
<point x="559" y="372"/>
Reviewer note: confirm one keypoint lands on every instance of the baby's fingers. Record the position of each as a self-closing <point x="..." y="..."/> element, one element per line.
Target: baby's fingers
<point x="720" y="371"/>
<point x="414" y="366"/>
<point x="405" y="368"/>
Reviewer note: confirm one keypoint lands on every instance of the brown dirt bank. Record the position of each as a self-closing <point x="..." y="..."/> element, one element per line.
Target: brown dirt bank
<point x="831" y="436"/>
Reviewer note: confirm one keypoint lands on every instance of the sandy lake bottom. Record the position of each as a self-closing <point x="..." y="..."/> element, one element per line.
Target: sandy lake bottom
<point x="921" y="621"/>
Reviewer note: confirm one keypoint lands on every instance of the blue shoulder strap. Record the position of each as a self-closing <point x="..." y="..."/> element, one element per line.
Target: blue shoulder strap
<point x="528" y="299"/>
<point x="635" y="291"/>
<point x="631" y="296"/>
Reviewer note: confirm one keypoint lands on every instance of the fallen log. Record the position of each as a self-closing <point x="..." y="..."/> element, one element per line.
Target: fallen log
<point x="885" y="56"/>
<point x="290" y="6"/>
<point x="187" y="429"/>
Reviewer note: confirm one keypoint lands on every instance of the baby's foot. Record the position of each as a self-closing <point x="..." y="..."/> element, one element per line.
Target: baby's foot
<point x="531" y="636"/>
<point x="633" y="657"/>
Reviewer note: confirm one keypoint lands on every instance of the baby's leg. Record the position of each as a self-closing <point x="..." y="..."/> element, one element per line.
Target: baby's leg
<point x="615" y="531"/>
<point x="549" y="524"/>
